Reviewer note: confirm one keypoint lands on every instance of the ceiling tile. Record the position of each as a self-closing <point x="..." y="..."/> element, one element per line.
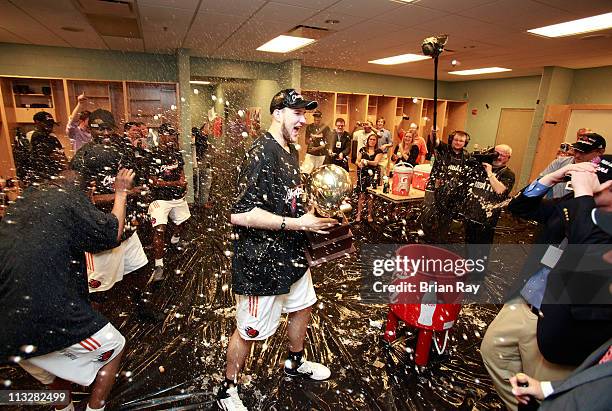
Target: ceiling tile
<point x="345" y="21"/>
<point x="313" y="4"/>
<point x="18" y="21"/>
<point x="277" y="12"/>
<point x="231" y="7"/>
<point x="124" y="43"/>
<point x="175" y="4"/>
<point x="8" y="37"/>
<point x="519" y="14"/>
<point x="363" y="8"/>
<point x="209" y="30"/>
<point x="452" y="6"/>
<point x="410" y="15"/>
<point x="581" y="9"/>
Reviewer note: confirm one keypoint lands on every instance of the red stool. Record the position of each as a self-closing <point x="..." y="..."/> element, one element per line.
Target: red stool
<point x="436" y="312"/>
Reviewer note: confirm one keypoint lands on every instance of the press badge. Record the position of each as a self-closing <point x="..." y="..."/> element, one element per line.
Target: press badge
<point x="551" y="256"/>
<point x="568" y="186"/>
<point x="338" y="144"/>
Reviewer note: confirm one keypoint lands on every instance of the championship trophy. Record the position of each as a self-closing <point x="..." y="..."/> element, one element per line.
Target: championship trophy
<point x="327" y="190"/>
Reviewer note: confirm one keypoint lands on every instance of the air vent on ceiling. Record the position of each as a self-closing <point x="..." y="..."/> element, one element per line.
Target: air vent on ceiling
<point x="309" y="32"/>
<point x="120" y="8"/>
<point x="116" y="18"/>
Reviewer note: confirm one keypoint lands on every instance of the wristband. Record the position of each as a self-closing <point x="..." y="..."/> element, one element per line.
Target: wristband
<point x="283" y="224"/>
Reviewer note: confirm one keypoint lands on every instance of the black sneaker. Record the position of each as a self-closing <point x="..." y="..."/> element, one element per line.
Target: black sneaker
<point x="308" y="369"/>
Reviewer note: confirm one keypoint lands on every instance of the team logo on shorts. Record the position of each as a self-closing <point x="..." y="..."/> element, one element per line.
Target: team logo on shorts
<point x="104" y="357"/>
<point x="251" y="332"/>
<point x="94" y="283"/>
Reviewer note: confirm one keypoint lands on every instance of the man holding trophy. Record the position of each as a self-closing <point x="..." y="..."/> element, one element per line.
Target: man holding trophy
<point x="270" y="274"/>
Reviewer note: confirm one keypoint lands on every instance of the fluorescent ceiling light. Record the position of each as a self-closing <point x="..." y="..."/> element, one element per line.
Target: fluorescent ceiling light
<point x="586" y="25"/>
<point x="404" y="58"/>
<point x="285" y="44"/>
<point x="199" y="82"/>
<point x="403" y="1"/>
<point x="484" y="70"/>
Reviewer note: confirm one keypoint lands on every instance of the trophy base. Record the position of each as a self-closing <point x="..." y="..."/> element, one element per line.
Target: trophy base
<point x="327" y="247"/>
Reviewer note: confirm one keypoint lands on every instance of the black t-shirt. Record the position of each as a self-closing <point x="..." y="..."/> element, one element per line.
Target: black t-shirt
<point x="412" y="155"/>
<point x="201" y="145"/>
<point x="481" y="196"/>
<point x="48" y="157"/>
<point x="267" y="262"/>
<point x="43" y="278"/>
<point x="167" y="166"/>
<point x="317" y="142"/>
<point x="118" y="153"/>
<point x="450" y="177"/>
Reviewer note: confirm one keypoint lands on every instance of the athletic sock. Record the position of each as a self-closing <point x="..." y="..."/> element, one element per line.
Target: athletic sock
<point x="175" y="239"/>
<point x="159" y="262"/>
<point x="94" y="409"/>
<point x="69" y="407"/>
<point x="294" y="359"/>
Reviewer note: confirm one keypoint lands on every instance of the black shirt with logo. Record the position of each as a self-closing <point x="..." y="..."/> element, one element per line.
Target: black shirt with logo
<point x="268" y="262"/>
<point x="482" y="198"/>
<point x="43" y="278"/>
<point x="167" y="165"/>
<point x="118" y="153"/>
<point x="450" y="177"/>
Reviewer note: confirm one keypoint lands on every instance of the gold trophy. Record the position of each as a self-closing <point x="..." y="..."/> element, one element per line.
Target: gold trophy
<point x="327" y="191"/>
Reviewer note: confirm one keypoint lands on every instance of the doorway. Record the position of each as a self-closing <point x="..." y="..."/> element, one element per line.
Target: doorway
<point x="514" y="129"/>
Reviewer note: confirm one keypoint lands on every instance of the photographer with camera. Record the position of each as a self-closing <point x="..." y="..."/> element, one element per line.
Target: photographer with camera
<point x="492" y="186"/>
<point x="447" y="187"/>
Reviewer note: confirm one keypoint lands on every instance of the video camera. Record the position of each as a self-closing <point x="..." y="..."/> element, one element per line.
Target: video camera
<point x="485" y="155"/>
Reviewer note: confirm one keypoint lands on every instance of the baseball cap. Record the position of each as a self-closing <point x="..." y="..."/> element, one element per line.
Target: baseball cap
<point x="290" y="98"/>
<point x="44" y="117"/>
<point x="167" y="129"/>
<point x="101" y="117"/>
<point x="589" y="142"/>
<point x="317" y="113"/>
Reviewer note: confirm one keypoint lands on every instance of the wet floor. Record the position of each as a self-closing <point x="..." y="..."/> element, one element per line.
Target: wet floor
<point x="178" y="362"/>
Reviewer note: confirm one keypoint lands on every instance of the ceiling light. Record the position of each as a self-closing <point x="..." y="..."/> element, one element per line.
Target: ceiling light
<point x="585" y="25"/>
<point x="484" y="70"/>
<point x="199" y="82"/>
<point x="403" y="1"/>
<point x="404" y="58"/>
<point x="285" y="44"/>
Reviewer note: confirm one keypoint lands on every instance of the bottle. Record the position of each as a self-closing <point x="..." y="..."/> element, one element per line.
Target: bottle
<point x="386" y="185"/>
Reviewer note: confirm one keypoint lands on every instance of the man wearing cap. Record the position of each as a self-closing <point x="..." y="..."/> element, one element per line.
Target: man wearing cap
<point x="112" y="152"/>
<point x="317" y="137"/>
<point x="512" y="341"/>
<point x="270" y="274"/>
<point x="588" y="147"/>
<point x="168" y="189"/>
<point x="48" y="158"/>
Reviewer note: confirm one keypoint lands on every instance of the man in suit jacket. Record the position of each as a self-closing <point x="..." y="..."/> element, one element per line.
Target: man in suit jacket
<point x="339" y="145"/>
<point x="587" y="388"/>
<point x="510" y="344"/>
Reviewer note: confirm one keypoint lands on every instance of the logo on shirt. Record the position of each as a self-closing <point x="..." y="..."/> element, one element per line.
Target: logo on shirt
<point x="94" y="283"/>
<point x="108" y="181"/>
<point x="105" y="356"/>
<point x="292" y="196"/>
<point x="251" y="332"/>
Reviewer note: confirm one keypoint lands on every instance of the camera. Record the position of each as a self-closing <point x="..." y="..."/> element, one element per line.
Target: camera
<point x="487" y="155"/>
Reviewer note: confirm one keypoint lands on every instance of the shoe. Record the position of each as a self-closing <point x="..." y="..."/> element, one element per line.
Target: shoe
<point x="309" y="369"/>
<point x="158" y="274"/>
<point x="231" y="401"/>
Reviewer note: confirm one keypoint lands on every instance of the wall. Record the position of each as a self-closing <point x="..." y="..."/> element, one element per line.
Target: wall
<point x="519" y="92"/>
<point x="592" y="86"/>
<point x="62" y="62"/>
<point x="368" y="83"/>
